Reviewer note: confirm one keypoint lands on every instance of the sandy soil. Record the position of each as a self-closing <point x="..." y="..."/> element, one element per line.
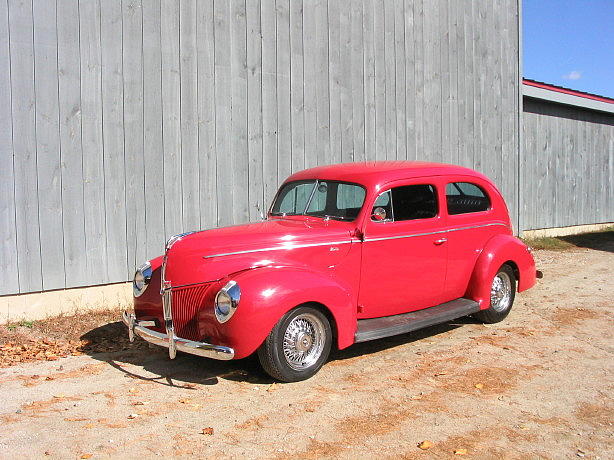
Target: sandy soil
<point x="538" y="385"/>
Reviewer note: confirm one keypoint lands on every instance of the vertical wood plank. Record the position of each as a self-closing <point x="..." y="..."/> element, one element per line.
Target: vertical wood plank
<point x="400" y="56"/>
<point x="297" y="98"/>
<point x="370" y="80"/>
<point x="171" y="117"/>
<point x="309" y="89"/>
<point x="91" y="132"/>
<point x="444" y="81"/>
<point x="419" y="79"/>
<point x="206" y="114"/>
<point x="9" y="280"/>
<point x="358" y="80"/>
<point x="454" y="53"/>
<point x="410" y="82"/>
<point x="190" y="161"/>
<point x="380" y="80"/>
<point x="337" y="83"/>
<point x="322" y="140"/>
<point x="254" y="110"/>
<point x="432" y="82"/>
<point x="153" y="148"/>
<point x="23" y="105"/>
<point x="390" y="86"/>
<point x="49" y="176"/>
<point x="223" y="121"/>
<point x="238" y="71"/>
<point x="69" y="86"/>
<point x="113" y="139"/>
<point x="269" y="98"/>
<point x="341" y="93"/>
<point x="132" y="64"/>
<point x="284" y="128"/>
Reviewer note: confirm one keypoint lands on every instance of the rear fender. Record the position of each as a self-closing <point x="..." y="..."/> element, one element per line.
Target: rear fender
<point x="499" y="250"/>
<point x="268" y="293"/>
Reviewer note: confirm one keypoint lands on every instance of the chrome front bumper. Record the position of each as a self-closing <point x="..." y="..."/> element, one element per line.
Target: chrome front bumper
<point x="174" y="343"/>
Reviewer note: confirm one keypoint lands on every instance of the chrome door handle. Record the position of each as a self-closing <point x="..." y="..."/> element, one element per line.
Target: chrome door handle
<point x="440" y="241"/>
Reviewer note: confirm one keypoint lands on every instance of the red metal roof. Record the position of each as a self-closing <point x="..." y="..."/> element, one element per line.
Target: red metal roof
<point x="371" y="173"/>
<point x="561" y="89"/>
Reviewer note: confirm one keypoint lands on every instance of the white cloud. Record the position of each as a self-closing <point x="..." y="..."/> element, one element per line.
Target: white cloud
<point x="573" y="75"/>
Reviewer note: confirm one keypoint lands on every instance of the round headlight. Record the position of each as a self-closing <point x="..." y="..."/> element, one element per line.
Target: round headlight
<point x="227" y="301"/>
<point x="141" y="279"/>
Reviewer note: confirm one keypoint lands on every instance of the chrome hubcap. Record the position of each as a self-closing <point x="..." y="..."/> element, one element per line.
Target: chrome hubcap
<point x="501" y="292"/>
<point x="303" y="341"/>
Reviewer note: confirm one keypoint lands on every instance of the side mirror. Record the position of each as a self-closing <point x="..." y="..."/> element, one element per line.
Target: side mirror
<point x="378" y="214"/>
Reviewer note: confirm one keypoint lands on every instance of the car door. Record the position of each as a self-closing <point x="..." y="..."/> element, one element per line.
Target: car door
<point x="404" y="250"/>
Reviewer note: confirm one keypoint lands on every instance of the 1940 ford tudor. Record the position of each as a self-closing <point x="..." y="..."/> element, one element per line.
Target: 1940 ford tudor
<point x="348" y="253"/>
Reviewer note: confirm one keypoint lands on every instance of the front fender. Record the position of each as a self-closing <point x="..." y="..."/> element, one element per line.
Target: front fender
<point x="499" y="250"/>
<point x="267" y="293"/>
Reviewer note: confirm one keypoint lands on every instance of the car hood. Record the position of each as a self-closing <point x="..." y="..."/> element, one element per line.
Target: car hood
<point x="213" y="254"/>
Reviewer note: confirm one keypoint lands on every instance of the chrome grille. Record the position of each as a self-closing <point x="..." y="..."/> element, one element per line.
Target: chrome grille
<point x="186" y="303"/>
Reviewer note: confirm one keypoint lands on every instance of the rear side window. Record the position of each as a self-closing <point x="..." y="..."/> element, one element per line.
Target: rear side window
<point x="465" y="197"/>
<point x="408" y="202"/>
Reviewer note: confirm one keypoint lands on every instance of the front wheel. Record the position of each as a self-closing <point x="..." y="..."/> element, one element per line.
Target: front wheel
<point x="502" y="293"/>
<point x="298" y="345"/>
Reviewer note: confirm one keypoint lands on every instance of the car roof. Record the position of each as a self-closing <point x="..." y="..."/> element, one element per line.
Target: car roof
<point x="372" y="173"/>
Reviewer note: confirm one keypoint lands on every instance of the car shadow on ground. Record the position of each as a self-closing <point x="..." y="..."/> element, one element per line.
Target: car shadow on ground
<point x="600" y="241"/>
<point x="143" y="362"/>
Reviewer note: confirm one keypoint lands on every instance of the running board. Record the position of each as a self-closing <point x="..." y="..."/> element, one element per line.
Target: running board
<point x="377" y="328"/>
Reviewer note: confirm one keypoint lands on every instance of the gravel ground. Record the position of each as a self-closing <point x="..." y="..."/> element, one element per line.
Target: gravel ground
<point x="538" y="385"/>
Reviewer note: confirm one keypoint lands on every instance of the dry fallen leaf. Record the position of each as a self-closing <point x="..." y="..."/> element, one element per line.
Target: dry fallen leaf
<point x="185" y="400"/>
<point x="208" y="431"/>
<point x="424" y="445"/>
<point x="272" y="387"/>
<point x="460" y="451"/>
<point x="132" y="390"/>
<point x="479" y="386"/>
<point x="138" y="403"/>
<point x="131" y="416"/>
<point x="87" y="456"/>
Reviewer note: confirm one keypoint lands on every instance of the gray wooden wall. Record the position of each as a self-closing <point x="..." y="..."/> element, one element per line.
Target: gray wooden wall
<point x="125" y="121"/>
<point x="567" y="166"/>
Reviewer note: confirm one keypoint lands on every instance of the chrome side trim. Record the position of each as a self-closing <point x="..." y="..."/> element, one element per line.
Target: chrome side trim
<point x="281" y="248"/>
<point x="331" y="243"/>
<point x="206" y="350"/>
<point x="434" y="233"/>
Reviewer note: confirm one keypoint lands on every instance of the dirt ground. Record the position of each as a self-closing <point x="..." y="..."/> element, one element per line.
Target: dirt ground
<point x="538" y="385"/>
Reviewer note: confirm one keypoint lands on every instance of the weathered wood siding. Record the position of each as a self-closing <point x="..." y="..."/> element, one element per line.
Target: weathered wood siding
<point x="125" y="121"/>
<point x="567" y="166"/>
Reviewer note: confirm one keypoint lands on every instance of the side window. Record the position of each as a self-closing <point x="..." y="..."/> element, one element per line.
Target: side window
<point x="294" y="197"/>
<point x="350" y="198"/>
<point x="382" y="208"/>
<point x="411" y="202"/>
<point x="465" y="197"/>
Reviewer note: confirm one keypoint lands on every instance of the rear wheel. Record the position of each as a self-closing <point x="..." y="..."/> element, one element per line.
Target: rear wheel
<point x="502" y="294"/>
<point x="298" y="345"/>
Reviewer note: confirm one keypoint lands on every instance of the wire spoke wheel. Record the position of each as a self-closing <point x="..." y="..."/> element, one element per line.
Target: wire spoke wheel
<point x="303" y="341"/>
<point x="501" y="292"/>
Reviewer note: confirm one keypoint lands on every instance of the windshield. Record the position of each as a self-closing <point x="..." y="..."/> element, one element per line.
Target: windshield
<point x="319" y="198"/>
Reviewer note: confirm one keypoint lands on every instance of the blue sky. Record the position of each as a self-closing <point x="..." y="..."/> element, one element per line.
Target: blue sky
<point x="570" y="43"/>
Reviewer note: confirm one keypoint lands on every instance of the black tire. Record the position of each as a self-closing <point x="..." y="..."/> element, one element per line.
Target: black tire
<point x="307" y="330"/>
<point x="500" y="306"/>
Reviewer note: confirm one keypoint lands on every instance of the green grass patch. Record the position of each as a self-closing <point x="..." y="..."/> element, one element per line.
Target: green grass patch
<point x="548" y="242"/>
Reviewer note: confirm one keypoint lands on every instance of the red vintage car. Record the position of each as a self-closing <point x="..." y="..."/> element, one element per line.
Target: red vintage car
<point x="347" y="253"/>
